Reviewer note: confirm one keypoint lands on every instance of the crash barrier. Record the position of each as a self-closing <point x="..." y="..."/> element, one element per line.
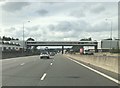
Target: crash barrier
<point x="110" y="63"/>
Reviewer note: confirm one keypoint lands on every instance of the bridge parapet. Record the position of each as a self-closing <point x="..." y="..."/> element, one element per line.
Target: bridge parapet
<point x="59" y="43"/>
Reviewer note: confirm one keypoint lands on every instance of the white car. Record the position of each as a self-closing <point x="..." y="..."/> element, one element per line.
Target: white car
<point x="44" y="55"/>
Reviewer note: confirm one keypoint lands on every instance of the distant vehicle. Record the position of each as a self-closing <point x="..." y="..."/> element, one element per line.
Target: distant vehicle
<point x="52" y="53"/>
<point x="88" y="52"/>
<point x="44" y="55"/>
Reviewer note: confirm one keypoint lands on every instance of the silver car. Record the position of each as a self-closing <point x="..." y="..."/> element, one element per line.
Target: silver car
<point x="44" y="55"/>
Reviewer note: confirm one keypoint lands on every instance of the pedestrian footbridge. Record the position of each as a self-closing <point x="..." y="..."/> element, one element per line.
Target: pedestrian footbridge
<point x="62" y="43"/>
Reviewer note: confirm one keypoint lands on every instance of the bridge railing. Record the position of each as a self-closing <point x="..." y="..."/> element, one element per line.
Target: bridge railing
<point x="62" y="43"/>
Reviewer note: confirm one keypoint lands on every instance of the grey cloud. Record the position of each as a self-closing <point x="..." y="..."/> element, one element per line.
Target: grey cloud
<point x="10" y="29"/>
<point x="79" y="13"/>
<point x="61" y="27"/>
<point x="28" y="32"/>
<point x="33" y="28"/>
<point x="57" y="35"/>
<point x="66" y="26"/>
<point x="102" y="27"/>
<point x="97" y="8"/>
<point x="35" y="34"/>
<point x="42" y="12"/>
<point x="71" y="34"/>
<point x="69" y="29"/>
<point x="14" y="6"/>
<point x="79" y="27"/>
<point x="51" y="27"/>
<point x="19" y="33"/>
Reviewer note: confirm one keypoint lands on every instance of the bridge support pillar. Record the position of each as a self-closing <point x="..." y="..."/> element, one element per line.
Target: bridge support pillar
<point x="28" y="48"/>
<point x="62" y="49"/>
<point x="96" y="50"/>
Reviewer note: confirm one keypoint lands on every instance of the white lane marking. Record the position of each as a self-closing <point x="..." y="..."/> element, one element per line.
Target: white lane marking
<point x="53" y="60"/>
<point x="43" y="77"/>
<point x="22" y="64"/>
<point x="106" y="76"/>
<point x="51" y="63"/>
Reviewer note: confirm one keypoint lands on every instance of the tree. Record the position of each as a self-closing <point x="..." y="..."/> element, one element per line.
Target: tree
<point x="12" y="38"/>
<point x="86" y="39"/>
<point x="17" y="39"/>
<point x="90" y="39"/>
<point x="8" y="38"/>
<point x="3" y="38"/>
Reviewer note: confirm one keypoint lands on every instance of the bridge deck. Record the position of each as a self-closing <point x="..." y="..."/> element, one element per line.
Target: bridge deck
<point x="60" y="43"/>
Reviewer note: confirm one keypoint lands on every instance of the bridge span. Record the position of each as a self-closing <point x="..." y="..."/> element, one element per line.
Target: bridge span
<point x="62" y="43"/>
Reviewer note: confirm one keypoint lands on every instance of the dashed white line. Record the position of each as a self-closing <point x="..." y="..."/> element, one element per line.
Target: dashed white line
<point x="22" y="64"/>
<point x="43" y="77"/>
<point x="98" y="72"/>
<point x="51" y="63"/>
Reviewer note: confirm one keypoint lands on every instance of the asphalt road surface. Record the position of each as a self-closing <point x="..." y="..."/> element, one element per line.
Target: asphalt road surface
<point x="60" y="71"/>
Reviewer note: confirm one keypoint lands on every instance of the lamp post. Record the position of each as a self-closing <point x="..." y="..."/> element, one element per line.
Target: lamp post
<point x="24" y="37"/>
<point x="111" y="23"/>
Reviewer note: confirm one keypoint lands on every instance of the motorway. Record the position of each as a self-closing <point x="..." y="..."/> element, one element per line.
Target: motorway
<point x="60" y="71"/>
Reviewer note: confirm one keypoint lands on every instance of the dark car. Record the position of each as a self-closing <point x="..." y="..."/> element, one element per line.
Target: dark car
<point x="88" y="52"/>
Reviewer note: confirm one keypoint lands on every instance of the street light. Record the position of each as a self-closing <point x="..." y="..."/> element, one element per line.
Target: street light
<point x="23" y="35"/>
<point x="110" y="31"/>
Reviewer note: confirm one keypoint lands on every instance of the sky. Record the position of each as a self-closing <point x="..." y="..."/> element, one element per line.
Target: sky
<point x="59" y="21"/>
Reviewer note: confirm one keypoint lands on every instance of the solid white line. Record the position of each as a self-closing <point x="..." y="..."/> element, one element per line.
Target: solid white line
<point x="51" y="63"/>
<point x="22" y="64"/>
<point x="106" y="76"/>
<point x="43" y="77"/>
